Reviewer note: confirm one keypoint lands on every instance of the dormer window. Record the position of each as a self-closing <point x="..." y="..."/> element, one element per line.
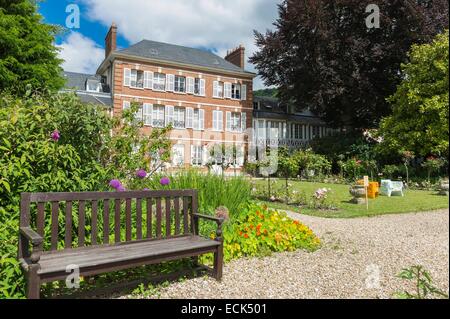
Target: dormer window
<point x="93" y="85"/>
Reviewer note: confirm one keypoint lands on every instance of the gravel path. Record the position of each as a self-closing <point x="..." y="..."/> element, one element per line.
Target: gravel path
<point x="352" y="249"/>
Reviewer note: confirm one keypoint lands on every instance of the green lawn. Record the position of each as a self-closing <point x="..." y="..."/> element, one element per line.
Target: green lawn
<point x="414" y="201"/>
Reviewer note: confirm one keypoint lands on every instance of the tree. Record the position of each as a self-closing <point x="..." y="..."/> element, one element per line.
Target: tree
<point x="419" y="122"/>
<point x="27" y="54"/>
<point x="323" y="56"/>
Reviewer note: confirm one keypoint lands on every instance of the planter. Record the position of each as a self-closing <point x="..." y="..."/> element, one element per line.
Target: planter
<point x="444" y="188"/>
<point x="359" y="194"/>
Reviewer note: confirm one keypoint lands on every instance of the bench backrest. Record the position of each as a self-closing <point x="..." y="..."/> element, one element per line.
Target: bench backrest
<point x="72" y="220"/>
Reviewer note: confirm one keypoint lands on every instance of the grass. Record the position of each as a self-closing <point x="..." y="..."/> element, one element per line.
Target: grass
<point x="414" y="201"/>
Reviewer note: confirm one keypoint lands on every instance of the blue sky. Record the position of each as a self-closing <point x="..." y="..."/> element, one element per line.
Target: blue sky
<point x="213" y="25"/>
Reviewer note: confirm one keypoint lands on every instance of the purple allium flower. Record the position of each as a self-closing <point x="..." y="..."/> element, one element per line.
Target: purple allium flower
<point x="146" y="189"/>
<point x="120" y="188"/>
<point x="115" y="184"/>
<point x="141" y="174"/>
<point x="165" y="181"/>
<point x="55" y="135"/>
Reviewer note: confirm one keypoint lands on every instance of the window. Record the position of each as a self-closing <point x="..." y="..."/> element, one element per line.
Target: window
<point x="218" y="89"/>
<point x="218" y="121"/>
<point x="159" y="81"/>
<point x="178" y="155"/>
<point x="93" y="86"/>
<point x="147" y="114"/>
<point x="137" y="79"/>
<point x="180" y="84"/>
<point x="179" y="118"/>
<point x="297" y="131"/>
<point x="196" y="155"/>
<point x="199" y="86"/>
<point x="227" y="90"/>
<point x="158" y="116"/>
<point x="235" y="122"/>
<point x="199" y="119"/>
<point x="190" y="85"/>
<point x="315" y="131"/>
<point x="236" y="91"/>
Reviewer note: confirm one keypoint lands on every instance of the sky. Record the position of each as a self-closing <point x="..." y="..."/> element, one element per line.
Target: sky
<point x="213" y="25"/>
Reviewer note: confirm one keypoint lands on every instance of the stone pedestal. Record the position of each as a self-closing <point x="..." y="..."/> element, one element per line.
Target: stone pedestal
<point x="359" y="194"/>
<point x="444" y="189"/>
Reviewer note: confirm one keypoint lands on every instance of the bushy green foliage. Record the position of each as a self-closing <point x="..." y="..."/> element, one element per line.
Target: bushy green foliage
<point x="27" y="55"/>
<point x="309" y="161"/>
<point x="84" y="158"/>
<point x="259" y="231"/>
<point x="419" y="122"/>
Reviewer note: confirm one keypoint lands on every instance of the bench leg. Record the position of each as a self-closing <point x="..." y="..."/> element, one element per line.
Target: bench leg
<point x="33" y="283"/>
<point x="218" y="263"/>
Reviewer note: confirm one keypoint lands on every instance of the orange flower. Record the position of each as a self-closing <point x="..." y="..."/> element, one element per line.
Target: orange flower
<point x="258" y="227"/>
<point x="296" y="222"/>
<point x="251" y="227"/>
<point x="240" y="233"/>
<point x="246" y="236"/>
<point x="266" y="232"/>
<point x="258" y="233"/>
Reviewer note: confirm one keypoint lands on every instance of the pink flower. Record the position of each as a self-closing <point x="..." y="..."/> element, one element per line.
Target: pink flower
<point x="115" y="184"/>
<point x="55" y="135"/>
<point x="141" y="174"/>
<point x="165" y="181"/>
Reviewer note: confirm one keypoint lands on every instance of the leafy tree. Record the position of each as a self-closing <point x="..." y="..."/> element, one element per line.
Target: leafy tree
<point x="266" y="92"/>
<point x="322" y="56"/>
<point x="27" y="54"/>
<point x="419" y="122"/>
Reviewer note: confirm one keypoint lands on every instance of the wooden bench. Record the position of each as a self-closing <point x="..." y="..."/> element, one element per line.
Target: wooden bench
<point x="78" y="233"/>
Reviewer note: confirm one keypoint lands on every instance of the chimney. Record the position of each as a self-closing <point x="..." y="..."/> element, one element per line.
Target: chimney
<point x="237" y="56"/>
<point x="111" y="40"/>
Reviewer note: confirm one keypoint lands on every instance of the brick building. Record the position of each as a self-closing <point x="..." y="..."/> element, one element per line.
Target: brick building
<point x="207" y="99"/>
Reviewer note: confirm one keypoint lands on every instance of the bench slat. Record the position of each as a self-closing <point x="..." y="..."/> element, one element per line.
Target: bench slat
<point x="40" y="219"/>
<point x="138" y="218"/>
<point x="106" y="221"/>
<point x="81" y="223"/>
<point x="117" y="220"/>
<point x="94" y="222"/>
<point x="176" y="204"/>
<point x="55" y="226"/>
<point x="128" y="219"/>
<point x="168" y="217"/>
<point x="149" y="218"/>
<point x="68" y="230"/>
<point x="158" y="217"/>
<point x="185" y="215"/>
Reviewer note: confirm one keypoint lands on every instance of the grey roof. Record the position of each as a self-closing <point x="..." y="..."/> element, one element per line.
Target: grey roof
<point x="176" y="53"/>
<point x="77" y="81"/>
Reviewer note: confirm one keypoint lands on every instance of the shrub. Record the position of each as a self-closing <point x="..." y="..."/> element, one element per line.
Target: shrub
<point x="307" y="161"/>
<point x="260" y="231"/>
<point x="56" y="143"/>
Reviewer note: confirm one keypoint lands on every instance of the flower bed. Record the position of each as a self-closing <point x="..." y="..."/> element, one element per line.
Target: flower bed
<point x="259" y="231"/>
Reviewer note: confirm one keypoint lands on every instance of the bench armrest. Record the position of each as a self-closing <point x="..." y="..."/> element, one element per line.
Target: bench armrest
<point x="208" y="217"/>
<point x="218" y="220"/>
<point x="32" y="236"/>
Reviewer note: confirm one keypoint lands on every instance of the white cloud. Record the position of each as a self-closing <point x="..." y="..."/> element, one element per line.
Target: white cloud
<point x="217" y="24"/>
<point x="80" y="54"/>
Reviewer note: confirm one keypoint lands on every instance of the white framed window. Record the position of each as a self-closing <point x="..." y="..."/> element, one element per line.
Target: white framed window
<point x="196" y="155"/>
<point x="199" y="87"/>
<point x="180" y="84"/>
<point x="159" y="81"/>
<point x="218" y="89"/>
<point x="148" y="80"/>
<point x="137" y="79"/>
<point x="243" y="92"/>
<point x="170" y="82"/>
<point x="178" y="155"/>
<point x="218" y="121"/>
<point x="198" y="122"/>
<point x="236" y="91"/>
<point x="190" y="86"/>
<point x="189" y="117"/>
<point x="147" y="114"/>
<point x="158" y="116"/>
<point x="227" y="90"/>
<point x="126" y="77"/>
<point x="169" y="114"/>
<point x="93" y="86"/>
<point x="179" y="118"/>
<point x="236" y="122"/>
